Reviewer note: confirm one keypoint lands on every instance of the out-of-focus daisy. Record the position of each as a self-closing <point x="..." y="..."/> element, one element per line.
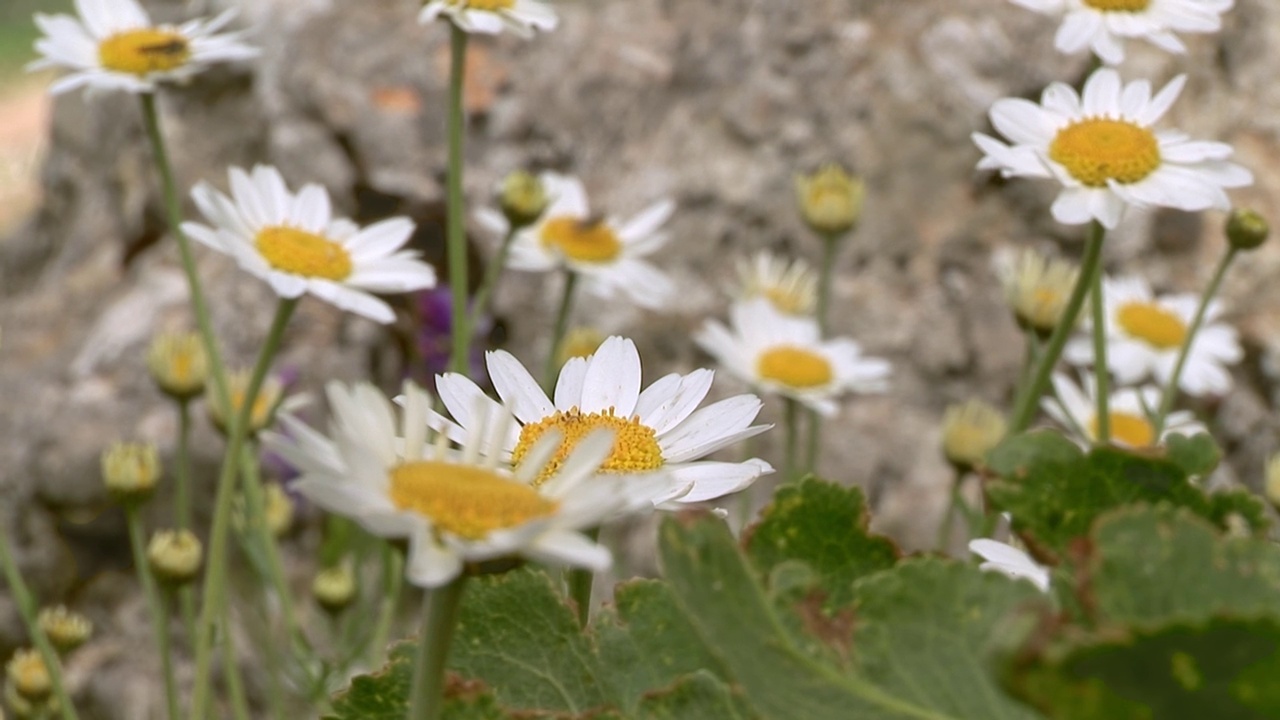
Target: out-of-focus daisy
<point x="1101" y="25"/>
<point x="657" y="431"/>
<point x="787" y="355"/>
<point x="491" y="17"/>
<point x="1101" y="146"/>
<point x="608" y="254"/>
<point x="1009" y="560"/>
<point x="790" y="284"/>
<point x="113" y="45"/>
<point x="294" y="243"/>
<point x="454" y="506"/>
<point x="1145" y="333"/>
<point x="1130" y="409"/>
<point x="1036" y="288"/>
<point x="970" y="431"/>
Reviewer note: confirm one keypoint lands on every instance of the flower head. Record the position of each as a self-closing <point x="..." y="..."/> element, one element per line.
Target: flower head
<point x="970" y="431"/>
<point x="1247" y="229"/>
<point x="265" y="403"/>
<point x="1009" y="560"/>
<point x="787" y="355"/>
<point x="66" y="630"/>
<point x="113" y="45"/>
<point x="1101" y="147"/>
<point x="175" y="556"/>
<point x="1130" y="413"/>
<point x="491" y="17"/>
<point x="335" y="587"/>
<point x="131" y="471"/>
<point x="1102" y="25"/>
<point x="1037" y="288"/>
<point x="178" y="364"/>
<point x="294" y="243"/>
<point x="29" y="675"/>
<point x="523" y="198"/>
<point x="830" y="200"/>
<point x="791" y="285"/>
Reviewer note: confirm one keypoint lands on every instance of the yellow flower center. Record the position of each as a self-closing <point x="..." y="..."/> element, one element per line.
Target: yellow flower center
<point x="488" y="5"/>
<point x="1153" y="324"/>
<point x="302" y="253"/>
<point x="1118" y="5"/>
<point x="143" y="51"/>
<point x="1097" y="150"/>
<point x="794" y="367"/>
<point x="1128" y="428"/>
<point x="586" y="240"/>
<point x="635" y="445"/>
<point x="464" y="500"/>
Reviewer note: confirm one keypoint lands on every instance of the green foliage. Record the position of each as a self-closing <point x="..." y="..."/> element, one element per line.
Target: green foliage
<point x="1197" y="455"/>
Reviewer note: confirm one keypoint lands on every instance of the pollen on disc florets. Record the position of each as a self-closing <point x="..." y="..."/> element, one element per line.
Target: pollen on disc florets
<point x="588" y="240"/>
<point x="1152" y="324"/>
<point x="145" y="50"/>
<point x="464" y="500"/>
<point x="1096" y="150"/>
<point x="1118" y="5"/>
<point x="795" y="367"/>
<point x="299" y="252"/>
<point x="635" y="445"/>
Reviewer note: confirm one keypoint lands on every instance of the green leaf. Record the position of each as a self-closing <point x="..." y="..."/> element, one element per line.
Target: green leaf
<point x="824" y="526"/>
<point x="700" y="696"/>
<point x="1197" y="455"/>
<point x="384" y="695"/>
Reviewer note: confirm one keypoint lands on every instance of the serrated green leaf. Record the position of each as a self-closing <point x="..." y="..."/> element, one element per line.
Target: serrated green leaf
<point x="1197" y="455"/>
<point x="700" y="696"/>
<point x="384" y="695"/>
<point x="824" y="526"/>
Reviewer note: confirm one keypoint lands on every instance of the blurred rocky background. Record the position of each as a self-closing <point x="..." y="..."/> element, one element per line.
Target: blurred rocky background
<point x="716" y="104"/>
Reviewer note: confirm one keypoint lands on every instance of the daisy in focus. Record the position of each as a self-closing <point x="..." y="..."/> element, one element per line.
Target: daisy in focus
<point x="1130" y="408"/>
<point x="113" y="45"/>
<point x="1101" y="146"/>
<point x="658" y="431"/>
<point x="606" y="253"/>
<point x="294" y="243"/>
<point x="1009" y="560"/>
<point x="790" y="284"/>
<point x="786" y="355"/>
<point x="1103" y="25"/>
<point x="1145" y="333"/>
<point x="491" y="17"/>
<point x="454" y="506"/>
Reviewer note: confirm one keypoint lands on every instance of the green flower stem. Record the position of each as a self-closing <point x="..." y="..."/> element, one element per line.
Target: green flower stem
<point x="1028" y="358"/>
<point x="456" y="229"/>
<point x="213" y="605"/>
<point x="27" y="609"/>
<point x="792" y="421"/>
<point x="1171" y="388"/>
<point x="1090" y="265"/>
<point x="392" y="587"/>
<point x="1101" y="371"/>
<point x="580" y="584"/>
<point x="231" y="671"/>
<point x="830" y="247"/>
<point x="552" y="368"/>
<point x="948" y="520"/>
<point x="159" y="611"/>
<point x="182" y="479"/>
<point x="480" y="305"/>
<point x="439" y="619"/>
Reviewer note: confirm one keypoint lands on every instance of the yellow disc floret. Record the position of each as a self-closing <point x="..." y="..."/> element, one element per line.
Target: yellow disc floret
<point x="1118" y="5"/>
<point x="1096" y="150"/>
<point x="795" y="367"/>
<point x="584" y="240"/>
<point x="465" y="500"/>
<point x="635" y="445"/>
<point x="302" y="253"/>
<point x="1128" y="428"/>
<point x="143" y="51"/>
<point x="1152" y="324"/>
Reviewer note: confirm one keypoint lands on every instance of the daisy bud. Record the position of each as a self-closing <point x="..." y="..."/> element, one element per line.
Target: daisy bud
<point x="830" y="200"/>
<point x="1037" y="288"/>
<point x="67" y="630"/>
<point x="178" y="364"/>
<point x="1247" y="229"/>
<point x="969" y="431"/>
<point x="29" y="676"/>
<point x="523" y="198"/>
<point x="130" y="471"/>
<point x="264" y="405"/>
<point x="335" y="588"/>
<point x="175" y="556"/>
<point x="581" y="342"/>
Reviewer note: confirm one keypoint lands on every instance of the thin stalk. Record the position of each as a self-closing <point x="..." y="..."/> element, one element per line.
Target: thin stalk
<point x="948" y="521"/>
<point x="182" y="480"/>
<point x="581" y="581"/>
<point x="1171" y="388"/>
<point x="1090" y="265"/>
<point x="480" y="305"/>
<point x="392" y="587"/>
<point x="27" y="609"/>
<point x="231" y="671"/>
<point x="1029" y="356"/>
<point x="792" y="421"/>
<point x="212" y="607"/>
<point x="830" y="246"/>
<point x="552" y="368"/>
<point x="456" y="237"/>
<point x="159" y="611"/>
<point x="439" y="619"/>
<point x="1101" y="372"/>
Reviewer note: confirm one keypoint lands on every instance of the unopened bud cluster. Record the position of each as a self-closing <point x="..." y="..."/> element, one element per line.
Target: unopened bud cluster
<point x="969" y="432"/>
<point x="334" y="588"/>
<point x="830" y="200"/>
<point x="175" y="556"/>
<point x="131" y="471"/>
<point x="178" y="364"/>
<point x="65" y="629"/>
<point x="523" y="198"/>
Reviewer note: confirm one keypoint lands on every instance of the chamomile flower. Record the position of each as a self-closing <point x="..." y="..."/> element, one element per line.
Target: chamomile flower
<point x="791" y="285"/>
<point x="1102" y="25"/>
<point x="606" y="253"/>
<point x="491" y="17"/>
<point x="1130" y="410"/>
<point x="1036" y="288"/>
<point x="1009" y="560"/>
<point x="1145" y="333"/>
<point x="113" y="45"/>
<point x="454" y="506"/>
<point x="658" y="431"/>
<point x="1101" y="146"/>
<point x="292" y="241"/>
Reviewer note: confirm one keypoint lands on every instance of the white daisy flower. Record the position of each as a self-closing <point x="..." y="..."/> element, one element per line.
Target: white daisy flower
<point x="1102" y="25"/>
<point x="658" y="431"/>
<point x="491" y="17"/>
<point x="790" y="284"/>
<point x="786" y="355"/>
<point x="113" y="45"/>
<point x="454" y="506"/>
<point x="1009" y="560"/>
<point x="294" y="243"/>
<point x="1145" y="333"/>
<point x="606" y="253"/>
<point x="1101" y="147"/>
<point x="1130" y="409"/>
